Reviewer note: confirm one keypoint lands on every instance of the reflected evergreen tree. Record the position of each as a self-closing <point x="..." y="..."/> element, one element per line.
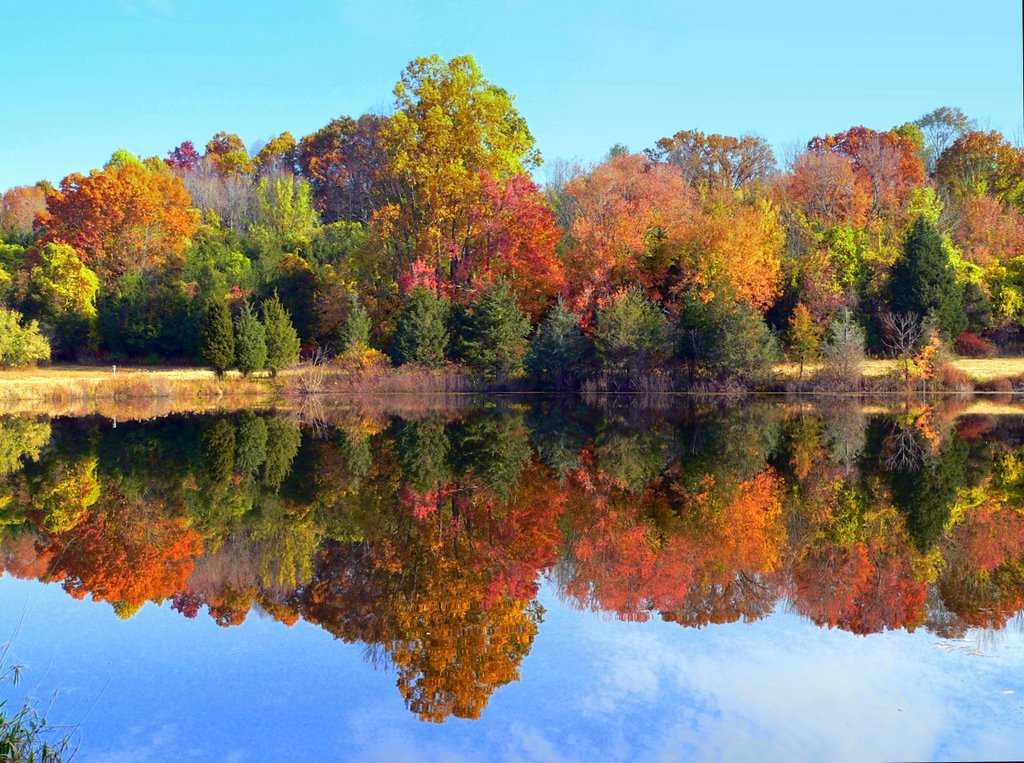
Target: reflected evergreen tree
<point x="251" y="450"/>
<point x="283" y="440"/>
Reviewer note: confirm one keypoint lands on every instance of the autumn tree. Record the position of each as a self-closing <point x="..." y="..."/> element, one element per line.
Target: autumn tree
<point x="228" y="155"/>
<point x="450" y="126"/>
<point x="277" y="156"/>
<point x="983" y="163"/>
<point x="21" y="342"/>
<point x="62" y="292"/>
<point x="19" y="207"/>
<point x="803" y="337"/>
<point x="130" y="218"/>
<point x="940" y="128"/>
<point x="886" y="162"/>
<point x="716" y="162"/>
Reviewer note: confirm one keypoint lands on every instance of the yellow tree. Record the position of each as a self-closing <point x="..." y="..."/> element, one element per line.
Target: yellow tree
<point x="450" y="126"/>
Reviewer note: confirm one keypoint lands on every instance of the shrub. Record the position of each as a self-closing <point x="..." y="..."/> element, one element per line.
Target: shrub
<point x="973" y="346"/>
<point x="20" y="345"/>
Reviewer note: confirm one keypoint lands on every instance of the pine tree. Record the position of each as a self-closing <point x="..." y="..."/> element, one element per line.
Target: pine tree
<point x="630" y="334"/>
<point x="922" y="280"/>
<point x="354" y="331"/>
<point x="250" y="341"/>
<point x="282" y="340"/>
<point x="559" y="351"/>
<point x="421" y="335"/>
<point x="217" y="336"/>
<point x="494" y="340"/>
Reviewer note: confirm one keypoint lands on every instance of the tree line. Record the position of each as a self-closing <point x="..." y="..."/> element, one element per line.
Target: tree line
<point x="422" y="237"/>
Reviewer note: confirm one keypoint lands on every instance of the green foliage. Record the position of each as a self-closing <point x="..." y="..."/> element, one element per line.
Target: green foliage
<point x="217" y="336"/>
<point x="20" y="344"/>
<point x="282" y="340"/>
<point x="251" y="443"/>
<point x="287" y="218"/>
<point x="559" y="352"/>
<point x="922" y="280"/>
<point x="724" y="337"/>
<point x="336" y="243"/>
<point x="630" y="333"/>
<point x="926" y="495"/>
<point x="12" y="258"/>
<point x="283" y="440"/>
<point x="423" y="451"/>
<point x="250" y="341"/>
<point x="422" y="332"/>
<point x="495" y="330"/>
<point x="354" y="331"/>
<point x="21" y="440"/>
<point x="63" y="292"/>
<point x="148" y="316"/>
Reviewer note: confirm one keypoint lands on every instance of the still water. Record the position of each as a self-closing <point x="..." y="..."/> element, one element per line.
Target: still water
<point x="503" y="581"/>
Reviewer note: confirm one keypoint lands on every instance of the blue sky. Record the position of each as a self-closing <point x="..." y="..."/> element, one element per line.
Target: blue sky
<point x="81" y="79"/>
<point x="159" y="687"/>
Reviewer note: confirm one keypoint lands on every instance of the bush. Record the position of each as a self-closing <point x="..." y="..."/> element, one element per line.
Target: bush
<point x="971" y="345"/>
<point x="20" y="345"/>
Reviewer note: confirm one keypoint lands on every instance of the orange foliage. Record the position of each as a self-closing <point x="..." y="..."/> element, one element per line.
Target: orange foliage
<point x="990" y="232"/>
<point x="122" y="219"/>
<point x="19" y="207"/>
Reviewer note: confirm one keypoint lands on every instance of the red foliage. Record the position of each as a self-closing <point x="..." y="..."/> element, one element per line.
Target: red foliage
<point x="973" y="346"/>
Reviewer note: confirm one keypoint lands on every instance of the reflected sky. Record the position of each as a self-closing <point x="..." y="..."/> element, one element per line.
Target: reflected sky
<point x="161" y="687"/>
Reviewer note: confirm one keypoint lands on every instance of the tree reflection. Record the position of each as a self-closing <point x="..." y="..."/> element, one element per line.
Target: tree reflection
<point x="425" y="539"/>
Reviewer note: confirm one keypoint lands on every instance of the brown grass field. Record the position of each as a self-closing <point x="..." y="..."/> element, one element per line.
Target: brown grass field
<point x="979" y="369"/>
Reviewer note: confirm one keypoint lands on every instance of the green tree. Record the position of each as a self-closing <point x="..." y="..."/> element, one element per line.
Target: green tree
<point x="559" y="351"/>
<point x="494" y="337"/>
<point x="217" y="336"/>
<point x="20" y="345"/>
<point x="422" y="332"/>
<point x="250" y="341"/>
<point x="354" y="331"/>
<point x="282" y="340"/>
<point x="803" y="337"/>
<point x="922" y="280"/>
<point x="630" y="333"/>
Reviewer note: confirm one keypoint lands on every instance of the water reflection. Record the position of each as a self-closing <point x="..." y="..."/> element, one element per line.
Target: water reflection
<point x="424" y="538"/>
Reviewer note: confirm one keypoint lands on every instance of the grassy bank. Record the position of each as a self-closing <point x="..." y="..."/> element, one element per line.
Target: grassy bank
<point x="134" y="391"/>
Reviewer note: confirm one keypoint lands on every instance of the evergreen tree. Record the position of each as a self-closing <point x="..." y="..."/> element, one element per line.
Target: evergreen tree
<point x="559" y="352"/>
<point x="250" y="341"/>
<point x="282" y="340"/>
<point x="421" y="335"/>
<point x="217" y="336"/>
<point x="494" y="340"/>
<point x="844" y="351"/>
<point x="630" y="333"/>
<point x="922" y="280"/>
<point x="354" y="331"/>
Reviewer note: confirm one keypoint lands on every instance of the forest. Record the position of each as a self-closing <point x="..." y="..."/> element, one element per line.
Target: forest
<point x="422" y="237"/>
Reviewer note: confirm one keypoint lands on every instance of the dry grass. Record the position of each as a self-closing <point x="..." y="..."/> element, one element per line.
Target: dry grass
<point x="978" y="369"/>
<point x="129" y="393"/>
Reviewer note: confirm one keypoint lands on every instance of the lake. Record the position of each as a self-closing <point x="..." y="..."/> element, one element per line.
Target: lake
<point x="534" y="580"/>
